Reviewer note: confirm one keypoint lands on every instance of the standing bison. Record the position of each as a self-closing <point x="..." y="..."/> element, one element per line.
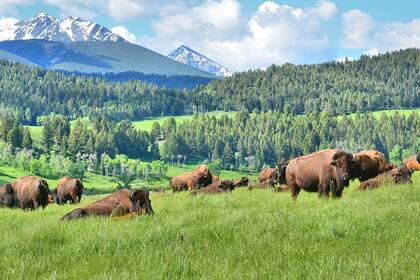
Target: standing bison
<point x="369" y="164"/>
<point x="322" y="172"/>
<point x="7" y="196"/>
<point x="198" y="178"/>
<point x="268" y="177"/>
<point x="400" y="175"/>
<point x="68" y="189"/>
<point x="32" y="192"/>
<point x="123" y="203"/>
<point x="413" y="162"/>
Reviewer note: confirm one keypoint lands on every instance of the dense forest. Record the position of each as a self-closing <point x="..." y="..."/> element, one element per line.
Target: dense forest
<point x="381" y="82"/>
<point x="385" y="81"/>
<point x="254" y="140"/>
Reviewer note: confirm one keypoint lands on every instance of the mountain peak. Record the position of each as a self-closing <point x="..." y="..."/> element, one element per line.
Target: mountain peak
<point x="46" y="27"/>
<point x="188" y="56"/>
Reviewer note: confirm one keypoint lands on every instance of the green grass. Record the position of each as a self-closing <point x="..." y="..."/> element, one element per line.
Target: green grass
<point x="243" y="235"/>
<point x="377" y="114"/>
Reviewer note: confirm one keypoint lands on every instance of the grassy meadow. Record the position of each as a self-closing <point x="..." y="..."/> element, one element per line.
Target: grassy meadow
<point x="243" y="235"/>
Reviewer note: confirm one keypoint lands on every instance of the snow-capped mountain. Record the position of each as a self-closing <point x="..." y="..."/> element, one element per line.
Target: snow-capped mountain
<point x="45" y="27"/>
<point x="194" y="59"/>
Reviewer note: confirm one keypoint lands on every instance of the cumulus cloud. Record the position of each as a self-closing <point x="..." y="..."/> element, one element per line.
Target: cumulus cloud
<point x="273" y="34"/>
<point x="125" y="33"/>
<point x="7" y="27"/>
<point x="361" y="31"/>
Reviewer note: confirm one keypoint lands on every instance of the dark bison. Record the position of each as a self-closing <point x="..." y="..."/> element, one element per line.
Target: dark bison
<point x="198" y="178"/>
<point x="242" y="183"/>
<point x="369" y="164"/>
<point x="68" y="189"/>
<point x="400" y="175"/>
<point x="322" y="172"/>
<point x="413" y="162"/>
<point x="216" y="187"/>
<point x="268" y="176"/>
<point x="32" y="192"/>
<point x="7" y="196"/>
<point x="123" y="203"/>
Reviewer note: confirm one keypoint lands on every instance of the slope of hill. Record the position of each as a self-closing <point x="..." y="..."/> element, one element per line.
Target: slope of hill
<point x="95" y="57"/>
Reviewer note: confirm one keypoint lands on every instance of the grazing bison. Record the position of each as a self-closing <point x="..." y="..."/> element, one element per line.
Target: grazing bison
<point x="32" y="192"/>
<point x="180" y="182"/>
<point x="68" y="189"/>
<point x="269" y="176"/>
<point x="369" y="164"/>
<point x="400" y="175"/>
<point x="216" y="187"/>
<point x="200" y="177"/>
<point x="242" y="183"/>
<point x="322" y="172"/>
<point x="7" y="196"/>
<point x="123" y="203"/>
<point x="413" y="162"/>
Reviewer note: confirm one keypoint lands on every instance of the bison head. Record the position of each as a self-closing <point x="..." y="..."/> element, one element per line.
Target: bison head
<point x="141" y="201"/>
<point x="79" y="184"/>
<point x="282" y="172"/>
<point x="10" y="199"/>
<point x="227" y="185"/>
<point x="343" y="164"/>
<point x="403" y="176"/>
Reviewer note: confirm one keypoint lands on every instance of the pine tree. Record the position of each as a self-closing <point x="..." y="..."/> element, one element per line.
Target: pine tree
<point x="26" y="139"/>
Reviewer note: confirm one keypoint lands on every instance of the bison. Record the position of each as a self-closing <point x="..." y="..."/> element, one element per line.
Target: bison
<point x="400" y="175"/>
<point x="123" y="203"/>
<point x="216" y="187"/>
<point x="68" y="189"/>
<point x="413" y="162"/>
<point x="198" y="178"/>
<point x="269" y="176"/>
<point x="242" y="183"/>
<point x="322" y="172"/>
<point x="369" y="164"/>
<point x="32" y="192"/>
<point x="7" y="196"/>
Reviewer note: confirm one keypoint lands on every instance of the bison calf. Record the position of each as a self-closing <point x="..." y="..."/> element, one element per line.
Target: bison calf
<point x="400" y="175"/>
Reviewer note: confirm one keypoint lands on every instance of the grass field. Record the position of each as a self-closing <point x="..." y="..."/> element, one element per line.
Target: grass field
<point x="243" y="235"/>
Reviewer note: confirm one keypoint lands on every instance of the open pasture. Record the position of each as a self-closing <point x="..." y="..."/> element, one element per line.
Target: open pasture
<point x="243" y="235"/>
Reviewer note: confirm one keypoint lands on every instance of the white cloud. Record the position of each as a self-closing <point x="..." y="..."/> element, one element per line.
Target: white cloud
<point x="125" y="33"/>
<point x="372" y="52"/>
<point x="9" y="6"/>
<point x="361" y="31"/>
<point x="7" y="27"/>
<point x="80" y="8"/>
<point x="273" y="34"/>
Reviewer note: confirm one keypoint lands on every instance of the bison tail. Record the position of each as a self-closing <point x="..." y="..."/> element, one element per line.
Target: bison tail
<point x="75" y="214"/>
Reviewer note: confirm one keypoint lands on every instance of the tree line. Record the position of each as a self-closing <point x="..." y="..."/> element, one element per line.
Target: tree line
<point x="387" y="81"/>
<point x="253" y="140"/>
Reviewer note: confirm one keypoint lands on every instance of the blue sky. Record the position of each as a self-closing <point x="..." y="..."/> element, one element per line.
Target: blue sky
<point x="247" y="34"/>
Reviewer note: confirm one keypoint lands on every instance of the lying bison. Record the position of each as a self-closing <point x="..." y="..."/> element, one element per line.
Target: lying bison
<point x="216" y="187"/>
<point x="123" y="203"/>
<point x="369" y="164"/>
<point x="269" y="176"/>
<point x="322" y="172"/>
<point x="413" y="162"/>
<point x="31" y="192"/>
<point x="400" y="175"/>
<point x="7" y="196"/>
<point x="198" y="178"/>
<point x="242" y="183"/>
<point x="68" y="189"/>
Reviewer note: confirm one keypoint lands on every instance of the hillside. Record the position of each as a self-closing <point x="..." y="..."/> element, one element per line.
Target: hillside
<point x="95" y="57"/>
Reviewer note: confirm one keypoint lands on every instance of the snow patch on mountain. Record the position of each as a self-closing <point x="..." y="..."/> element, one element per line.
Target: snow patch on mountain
<point x="46" y="27"/>
<point x="194" y="59"/>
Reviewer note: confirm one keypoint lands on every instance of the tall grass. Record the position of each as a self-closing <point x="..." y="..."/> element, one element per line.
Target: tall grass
<point x="243" y="235"/>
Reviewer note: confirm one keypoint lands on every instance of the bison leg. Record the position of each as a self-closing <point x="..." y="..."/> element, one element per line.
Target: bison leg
<point x="75" y="214"/>
<point x="295" y="189"/>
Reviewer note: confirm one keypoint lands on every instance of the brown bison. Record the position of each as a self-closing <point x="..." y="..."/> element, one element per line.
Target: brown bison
<point x="68" y="189"/>
<point x="123" y="203"/>
<point x="269" y="176"/>
<point x="32" y="192"/>
<point x="369" y="164"/>
<point x="400" y="175"/>
<point x="7" y="196"/>
<point x="198" y="178"/>
<point x="216" y="187"/>
<point x="242" y="183"/>
<point x="322" y="172"/>
<point x="413" y="162"/>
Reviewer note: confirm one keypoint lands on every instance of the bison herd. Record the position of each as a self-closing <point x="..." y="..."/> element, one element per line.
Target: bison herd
<point x="325" y="172"/>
